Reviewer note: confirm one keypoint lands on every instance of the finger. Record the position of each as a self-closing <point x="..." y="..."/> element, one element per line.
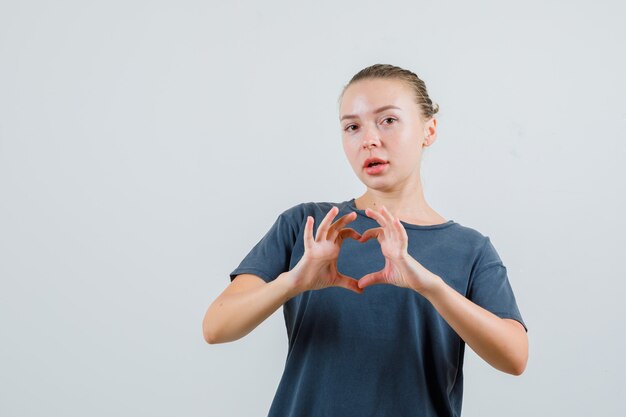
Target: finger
<point x="387" y="215"/>
<point x="391" y="220"/>
<point x="348" y="283"/>
<point x="371" y="279"/>
<point x="384" y="211"/>
<point x="348" y="232"/>
<point x="401" y="230"/>
<point x="376" y="216"/>
<point x="334" y="229"/>
<point x="322" y="229"/>
<point x="308" y="232"/>
<point x="345" y="219"/>
<point x="370" y="234"/>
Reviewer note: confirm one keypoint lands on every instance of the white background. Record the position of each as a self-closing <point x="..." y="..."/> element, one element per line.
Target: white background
<point x="146" y="146"/>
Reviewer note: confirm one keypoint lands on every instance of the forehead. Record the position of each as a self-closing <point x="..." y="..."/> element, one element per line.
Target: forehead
<point x="364" y="96"/>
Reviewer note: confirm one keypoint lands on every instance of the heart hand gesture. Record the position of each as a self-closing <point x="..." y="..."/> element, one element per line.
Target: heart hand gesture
<point x="317" y="268"/>
<point x="400" y="268"/>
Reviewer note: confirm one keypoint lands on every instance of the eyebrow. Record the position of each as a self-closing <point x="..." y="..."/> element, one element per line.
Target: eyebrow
<point x="353" y="116"/>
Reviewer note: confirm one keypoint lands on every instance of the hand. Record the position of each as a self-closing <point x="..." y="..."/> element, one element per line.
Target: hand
<point x="317" y="268"/>
<point x="400" y="269"/>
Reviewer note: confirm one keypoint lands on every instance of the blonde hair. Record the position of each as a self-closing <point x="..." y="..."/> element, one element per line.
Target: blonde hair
<point x="429" y="109"/>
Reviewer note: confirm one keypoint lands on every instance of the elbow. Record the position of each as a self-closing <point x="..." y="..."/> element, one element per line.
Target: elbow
<point x="512" y="367"/>
<point x="210" y="340"/>
<point x="517" y="365"/>
<point x="518" y="354"/>
<point x="214" y="330"/>
<point x="518" y="368"/>
<point x="208" y="337"/>
<point x="208" y="333"/>
<point x="215" y="334"/>
<point x="211" y="328"/>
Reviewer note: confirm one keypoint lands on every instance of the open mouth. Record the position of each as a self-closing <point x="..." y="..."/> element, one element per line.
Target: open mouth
<point x="375" y="166"/>
<point x="373" y="162"/>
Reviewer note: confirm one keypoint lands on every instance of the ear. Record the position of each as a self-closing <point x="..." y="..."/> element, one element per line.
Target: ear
<point x="430" y="131"/>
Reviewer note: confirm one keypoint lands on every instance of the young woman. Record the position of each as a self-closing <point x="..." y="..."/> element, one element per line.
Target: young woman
<point x="378" y="313"/>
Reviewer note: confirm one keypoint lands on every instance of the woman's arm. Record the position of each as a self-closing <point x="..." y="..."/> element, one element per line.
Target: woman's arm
<point x="503" y="343"/>
<point x="249" y="300"/>
<point x="243" y="305"/>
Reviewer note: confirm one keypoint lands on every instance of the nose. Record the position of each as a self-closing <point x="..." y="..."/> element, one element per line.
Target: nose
<point x="370" y="138"/>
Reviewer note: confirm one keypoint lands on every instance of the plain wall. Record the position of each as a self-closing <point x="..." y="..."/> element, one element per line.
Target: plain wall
<point x="146" y="146"/>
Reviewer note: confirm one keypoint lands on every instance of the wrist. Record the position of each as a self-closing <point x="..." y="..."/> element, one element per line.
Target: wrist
<point x="435" y="286"/>
<point x="288" y="285"/>
<point x="423" y="281"/>
<point x="298" y="279"/>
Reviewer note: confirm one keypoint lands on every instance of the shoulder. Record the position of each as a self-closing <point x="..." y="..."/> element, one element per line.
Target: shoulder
<point x="481" y="247"/>
<point x="463" y="235"/>
<point x="467" y="242"/>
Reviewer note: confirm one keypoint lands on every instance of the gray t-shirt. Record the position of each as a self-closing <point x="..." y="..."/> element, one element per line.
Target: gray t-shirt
<point x="387" y="351"/>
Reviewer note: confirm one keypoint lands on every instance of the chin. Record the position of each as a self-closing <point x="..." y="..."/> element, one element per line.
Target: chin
<point x="378" y="184"/>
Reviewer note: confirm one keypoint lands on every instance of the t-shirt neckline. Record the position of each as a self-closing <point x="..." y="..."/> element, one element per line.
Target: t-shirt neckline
<point x="352" y="205"/>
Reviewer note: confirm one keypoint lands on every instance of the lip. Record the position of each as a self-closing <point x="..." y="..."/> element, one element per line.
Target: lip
<point x="376" y="169"/>
<point x="370" y="160"/>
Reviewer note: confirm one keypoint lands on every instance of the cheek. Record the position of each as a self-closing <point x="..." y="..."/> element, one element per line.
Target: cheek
<point x="353" y="157"/>
<point x="348" y="150"/>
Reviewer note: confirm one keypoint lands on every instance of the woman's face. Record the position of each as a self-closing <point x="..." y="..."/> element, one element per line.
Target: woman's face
<point x="381" y="122"/>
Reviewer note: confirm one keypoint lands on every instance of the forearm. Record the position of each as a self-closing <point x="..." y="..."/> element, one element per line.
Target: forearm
<point x="503" y="344"/>
<point x="232" y="316"/>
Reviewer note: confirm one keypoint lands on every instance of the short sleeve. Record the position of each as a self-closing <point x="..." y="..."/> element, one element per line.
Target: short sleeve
<point x="490" y="287"/>
<point x="271" y="255"/>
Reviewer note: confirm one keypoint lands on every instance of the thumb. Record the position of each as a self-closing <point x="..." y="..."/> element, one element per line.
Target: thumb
<point x="351" y="233"/>
<point x="371" y="279"/>
<point x="347" y="282"/>
<point x="370" y="234"/>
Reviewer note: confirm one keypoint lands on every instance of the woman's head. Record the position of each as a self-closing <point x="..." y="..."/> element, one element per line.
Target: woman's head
<point x="386" y="116"/>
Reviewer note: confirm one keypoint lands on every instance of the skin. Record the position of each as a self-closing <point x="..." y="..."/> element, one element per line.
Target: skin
<point x="398" y="136"/>
<point x="395" y="135"/>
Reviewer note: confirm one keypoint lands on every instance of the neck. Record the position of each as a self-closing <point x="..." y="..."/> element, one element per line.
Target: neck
<point x="407" y="204"/>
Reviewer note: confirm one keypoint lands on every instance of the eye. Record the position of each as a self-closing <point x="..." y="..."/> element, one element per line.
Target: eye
<point x="393" y="119"/>
<point x="348" y="128"/>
